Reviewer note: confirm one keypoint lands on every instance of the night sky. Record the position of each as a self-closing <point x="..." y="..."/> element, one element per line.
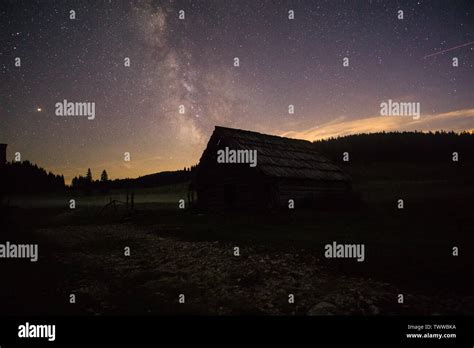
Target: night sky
<point x="190" y="62"/>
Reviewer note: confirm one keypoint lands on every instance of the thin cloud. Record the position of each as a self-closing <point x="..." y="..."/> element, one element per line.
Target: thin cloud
<point x="458" y="120"/>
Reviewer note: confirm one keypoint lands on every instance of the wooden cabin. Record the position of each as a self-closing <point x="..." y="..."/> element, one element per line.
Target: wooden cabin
<point x="286" y="169"/>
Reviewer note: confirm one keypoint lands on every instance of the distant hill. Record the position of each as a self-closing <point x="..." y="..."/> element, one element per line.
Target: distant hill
<point x="416" y="147"/>
<point x="152" y="180"/>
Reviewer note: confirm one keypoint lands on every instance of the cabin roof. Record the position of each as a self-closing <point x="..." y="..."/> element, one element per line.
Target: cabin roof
<point x="282" y="157"/>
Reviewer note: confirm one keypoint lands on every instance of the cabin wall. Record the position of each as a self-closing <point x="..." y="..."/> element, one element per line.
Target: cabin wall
<point x="311" y="193"/>
<point x="231" y="187"/>
<point x="245" y="189"/>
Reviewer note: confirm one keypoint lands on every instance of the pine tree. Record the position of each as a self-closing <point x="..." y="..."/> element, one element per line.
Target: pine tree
<point x="104" y="176"/>
<point x="89" y="175"/>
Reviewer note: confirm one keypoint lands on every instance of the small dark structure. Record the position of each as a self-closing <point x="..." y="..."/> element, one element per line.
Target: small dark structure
<point x="287" y="169"/>
<point x="3" y="155"/>
<point x="3" y="161"/>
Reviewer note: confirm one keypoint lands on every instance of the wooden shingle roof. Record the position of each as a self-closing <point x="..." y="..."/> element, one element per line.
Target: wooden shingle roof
<point x="282" y="157"/>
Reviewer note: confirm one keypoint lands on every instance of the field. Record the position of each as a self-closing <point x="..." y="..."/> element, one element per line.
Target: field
<point x="174" y="251"/>
<point x="163" y="194"/>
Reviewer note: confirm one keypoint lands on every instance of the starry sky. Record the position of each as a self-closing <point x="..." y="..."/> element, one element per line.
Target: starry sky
<point x="190" y="62"/>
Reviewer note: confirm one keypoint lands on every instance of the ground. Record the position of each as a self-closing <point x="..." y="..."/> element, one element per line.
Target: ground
<point x="190" y="252"/>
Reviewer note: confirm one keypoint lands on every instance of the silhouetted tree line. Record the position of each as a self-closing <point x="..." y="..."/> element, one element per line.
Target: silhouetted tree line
<point x="26" y="177"/>
<point x="415" y="147"/>
<point x="88" y="185"/>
